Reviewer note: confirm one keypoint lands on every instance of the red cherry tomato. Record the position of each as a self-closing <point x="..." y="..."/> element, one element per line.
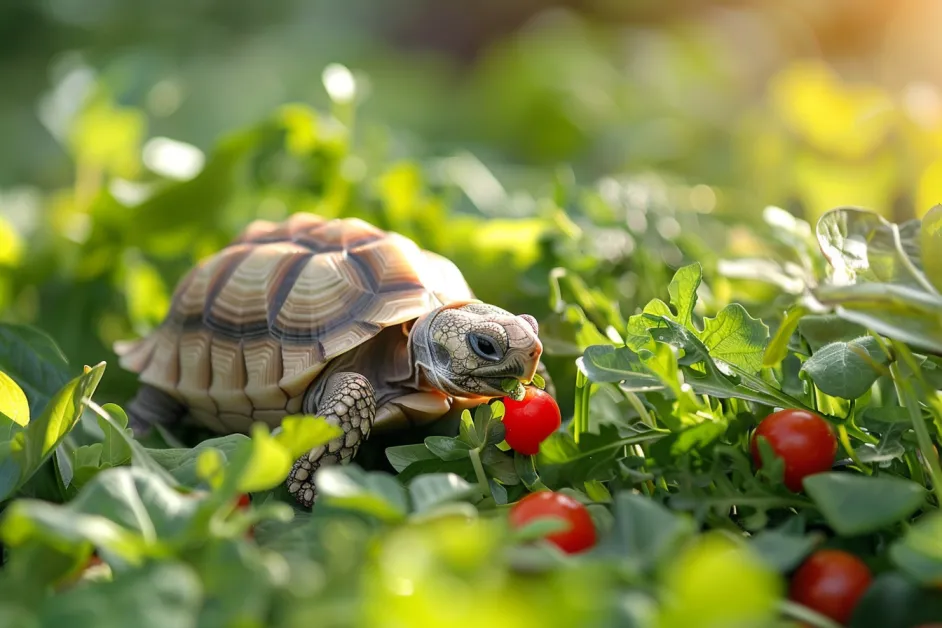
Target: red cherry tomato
<point x="581" y="532"/>
<point x="529" y="422"/>
<point x="831" y="582"/>
<point x="802" y="439"/>
<point x="244" y="501"/>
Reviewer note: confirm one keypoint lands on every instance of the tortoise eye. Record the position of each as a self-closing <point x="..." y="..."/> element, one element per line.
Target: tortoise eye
<point x="485" y="348"/>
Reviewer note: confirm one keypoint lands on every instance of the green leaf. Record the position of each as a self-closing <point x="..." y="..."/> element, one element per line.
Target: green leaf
<point x="375" y="493"/>
<point x="127" y="511"/>
<point x="402" y="456"/>
<point x="301" y="433"/>
<point x="13" y="406"/>
<point x="434" y="489"/>
<point x="930" y="243"/>
<point x="181" y="463"/>
<point x="736" y="338"/>
<point x="918" y="553"/>
<point x="34" y="361"/>
<point x="892" y="601"/>
<point x="781" y="550"/>
<point x="269" y="463"/>
<point x="36" y="444"/>
<point x="841" y="370"/>
<point x="609" y="364"/>
<point x="646" y="532"/>
<point x="467" y="431"/>
<point x="777" y="349"/>
<point x="447" y="448"/>
<point x="858" y="504"/>
<point x="155" y="595"/>
<point x="861" y="245"/>
<point x="823" y="329"/>
<point x="500" y="466"/>
<point x="683" y="292"/>
<point x="115" y="450"/>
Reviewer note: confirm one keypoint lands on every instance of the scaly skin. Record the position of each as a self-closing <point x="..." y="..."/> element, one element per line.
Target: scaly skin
<point x="348" y="403"/>
<point x="462" y="350"/>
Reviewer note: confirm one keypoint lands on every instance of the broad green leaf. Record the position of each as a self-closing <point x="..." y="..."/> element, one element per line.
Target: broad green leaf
<point x="13" y="406"/>
<point x="434" y="489"/>
<point x="646" y="532"/>
<point x="901" y="312"/>
<point x="862" y="246"/>
<point x="467" y="431"/>
<point x="609" y="364"/>
<point x="373" y="493"/>
<point x="34" y="361"/>
<point x="893" y="601"/>
<point x="115" y="450"/>
<point x="683" y="292"/>
<point x="858" y="504"/>
<point x="918" y="553"/>
<point x="500" y="466"/>
<point x="781" y="550"/>
<point x="841" y="370"/>
<point x="447" y="448"/>
<point x="45" y="432"/>
<point x="823" y="329"/>
<point x="930" y="242"/>
<point x="154" y="595"/>
<point x="695" y="437"/>
<point x="736" y="338"/>
<point x="402" y="456"/>
<point x="637" y="336"/>
<point x="300" y="434"/>
<point x="269" y="463"/>
<point x="181" y="463"/>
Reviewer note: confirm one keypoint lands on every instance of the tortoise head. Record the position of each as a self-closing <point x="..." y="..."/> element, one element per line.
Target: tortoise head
<point x="467" y="350"/>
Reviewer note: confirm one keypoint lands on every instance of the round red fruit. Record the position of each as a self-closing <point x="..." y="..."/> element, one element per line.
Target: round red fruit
<point x="578" y="537"/>
<point x="831" y="582"/>
<point x="802" y="439"/>
<point x="529" y="422"/>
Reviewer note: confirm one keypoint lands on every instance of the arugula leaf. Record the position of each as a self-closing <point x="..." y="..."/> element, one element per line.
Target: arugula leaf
<point x="736" y="338"/>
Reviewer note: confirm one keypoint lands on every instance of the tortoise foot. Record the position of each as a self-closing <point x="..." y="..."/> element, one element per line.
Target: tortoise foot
<point x="348" y="402"/>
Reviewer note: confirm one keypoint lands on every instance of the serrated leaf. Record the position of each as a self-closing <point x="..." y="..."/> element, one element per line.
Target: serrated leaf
<point x="434" y="489"/>
<point x="637" y="336"/>
<point x="857" y="504"/>
<point x="840" y="370"/>
<point x="447" y="448"/>
<point x="736" y="338"/>
<point x="930" y="242"/>
<point x="683" y="292"/>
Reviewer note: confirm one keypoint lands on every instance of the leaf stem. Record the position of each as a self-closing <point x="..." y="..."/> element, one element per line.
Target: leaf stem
<point x="475" y="455"/>
<point x="635" y="402"/>
<point x="845" y="442"/>
<point x="907" y="399"/>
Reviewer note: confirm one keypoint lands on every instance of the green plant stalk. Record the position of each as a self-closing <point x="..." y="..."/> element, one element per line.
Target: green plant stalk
<point x="908" y="400"/>
<point x="806" y="615"/>
<point x="581" y="410"/>
<point x="475" y="455"/>
<point x="845" y="442"/>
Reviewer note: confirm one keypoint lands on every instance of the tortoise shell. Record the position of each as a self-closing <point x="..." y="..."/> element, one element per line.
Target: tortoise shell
<point x="251" y="327"/>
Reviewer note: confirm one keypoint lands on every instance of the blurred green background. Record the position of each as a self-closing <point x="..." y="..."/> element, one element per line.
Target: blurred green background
<point x="616" y="139"/>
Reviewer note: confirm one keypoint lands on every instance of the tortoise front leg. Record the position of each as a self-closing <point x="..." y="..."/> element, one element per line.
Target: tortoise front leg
<point x="347" y="401"/>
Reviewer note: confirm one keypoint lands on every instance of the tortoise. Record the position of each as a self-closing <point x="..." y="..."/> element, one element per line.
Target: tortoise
<point x="331" y="317"/>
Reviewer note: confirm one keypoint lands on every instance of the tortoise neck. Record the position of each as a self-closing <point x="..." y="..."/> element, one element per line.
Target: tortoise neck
<point x="423" y="376"/>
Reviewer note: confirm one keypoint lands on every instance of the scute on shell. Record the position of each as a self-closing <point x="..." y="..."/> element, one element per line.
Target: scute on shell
<point x="250" y="327"/>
